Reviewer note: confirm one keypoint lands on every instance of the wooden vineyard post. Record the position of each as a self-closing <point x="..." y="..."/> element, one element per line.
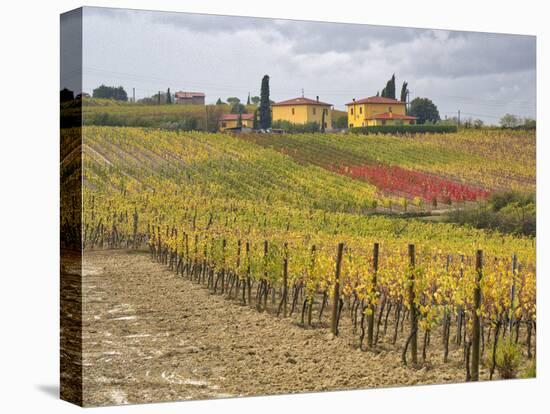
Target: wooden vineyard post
<point x="474" y="371"/>
<point x="336" y="298"/>
<point x="264" y="282"/>
<point x="285" y="280"/>
<point x="135" y="229"/>
<point x="159" y="249"/>
<point x="224" y="244"/>
<point x="513" y="293"/>
<point x="370" y="320"/>
<point x="248" y="272"/>
<point x="196" y="253"/>
<point x="310" y="299"/>
<point x="412" y="306"/>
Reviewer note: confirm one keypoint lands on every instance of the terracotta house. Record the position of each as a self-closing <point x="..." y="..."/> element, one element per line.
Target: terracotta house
<point x="190" y="98"/>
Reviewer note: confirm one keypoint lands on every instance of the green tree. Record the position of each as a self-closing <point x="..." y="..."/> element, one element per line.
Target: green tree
<point x="265" y="104"/>
<point x="168" y="96"/>
<point x="255" y="120"/>
<point x="248" y="100"/>
<point x="477" y="123"/>
<point x="219" y="101"/>
<point x="510" y="121"/>
<point x="389" y="90"/>
<point x="339" y="121"/>
<point x="110" y="92"/>
<point x="66" y="95"/>
<point x="232" y="100"/>
<point x="529" y="123"/>
<point x="404" y="92"/>
<point x="240" y="120"/>
<point x="238" y="108"/>
<point x="424" y="110"/>
<point x="255" y="100"/>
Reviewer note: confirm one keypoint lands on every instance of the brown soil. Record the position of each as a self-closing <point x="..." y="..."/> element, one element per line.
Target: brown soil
<point x="151" y="335"/>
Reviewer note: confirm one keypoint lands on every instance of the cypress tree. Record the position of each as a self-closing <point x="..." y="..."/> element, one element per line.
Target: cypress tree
<point x="168" y="96"/>
<point x="404" y="92"/>
<point x="389" y="90"/>
<point x="405" y="95"/>
<point x="255" y="120"/>
<point x="265" y="105"/>
<point x="240" y="120"/>
<point x="219" y="102"/>
<point x="248" y="100"/>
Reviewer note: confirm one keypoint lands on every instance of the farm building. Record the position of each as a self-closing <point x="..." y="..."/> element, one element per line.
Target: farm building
<point x="302" y="110"/>
<point x="190" y="98"/>
<point x="377" y="110"/>
<point x="230" y="121"/>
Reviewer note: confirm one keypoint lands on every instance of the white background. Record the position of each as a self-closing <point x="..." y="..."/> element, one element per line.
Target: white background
<point x="29" y="147"/>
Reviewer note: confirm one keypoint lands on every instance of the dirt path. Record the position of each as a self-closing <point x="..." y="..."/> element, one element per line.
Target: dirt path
<point x="150" y="335"/>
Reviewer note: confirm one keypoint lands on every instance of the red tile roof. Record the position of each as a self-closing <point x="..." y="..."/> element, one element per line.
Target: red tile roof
<point x="391" y="115"/>
<point x="235" y="117"/>
<point x="376" y="100"/>
<point x="301" y="101"/>
<point x="181" y="94"/>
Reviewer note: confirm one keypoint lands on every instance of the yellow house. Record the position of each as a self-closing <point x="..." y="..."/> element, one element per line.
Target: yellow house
<point x="302" y="110"/>
<point x="377" y="110"/>
<point x="228" y="121"/>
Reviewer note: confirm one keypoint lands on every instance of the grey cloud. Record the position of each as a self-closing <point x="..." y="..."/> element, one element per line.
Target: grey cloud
<point x="226" y="56"/>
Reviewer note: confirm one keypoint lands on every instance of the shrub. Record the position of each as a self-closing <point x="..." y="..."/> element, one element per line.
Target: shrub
<point x="508" y="358"/>
<point x="296" y="128"/>
<point x="531" y="371"/>
<point x="508" y="212"/>
<point x="404" y="129"/>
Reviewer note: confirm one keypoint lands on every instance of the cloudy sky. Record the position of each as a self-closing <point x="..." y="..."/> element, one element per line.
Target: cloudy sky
<point x="482" y="74"/>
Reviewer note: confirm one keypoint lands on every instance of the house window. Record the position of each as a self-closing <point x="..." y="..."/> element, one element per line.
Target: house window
<point x="224" y="124"/>
<point x="314" y="111"/>
<point x="292" y="111"/>
<point x="326" y="125"/>
<point x="351" y="125"/>
<point x="383" y="122"/>
<point x="351" y="112"/>
<point x="389" y="109"/>
<point x="360" y="109"/>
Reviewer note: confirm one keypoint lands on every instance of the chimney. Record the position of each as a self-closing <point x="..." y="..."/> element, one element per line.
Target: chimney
<point x="353" y="99"/>
<point x="317" y="98"/>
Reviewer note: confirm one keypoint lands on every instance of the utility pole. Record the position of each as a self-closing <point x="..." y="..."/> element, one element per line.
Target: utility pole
<point x="159" y="98"/>
<point x="459" y="117"/>
<point x="134" y="95"/>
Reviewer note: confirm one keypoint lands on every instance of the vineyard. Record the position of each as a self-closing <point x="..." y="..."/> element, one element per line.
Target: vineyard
<point x="462" y="166"/>
<point x="283" y="224"/>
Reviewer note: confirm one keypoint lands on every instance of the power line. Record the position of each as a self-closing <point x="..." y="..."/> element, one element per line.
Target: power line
<point x="330" y="92"/>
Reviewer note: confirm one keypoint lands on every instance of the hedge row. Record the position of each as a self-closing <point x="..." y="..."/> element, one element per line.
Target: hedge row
<point x="404" y="129"/>
<point x="164" y="121"/>
<point x="292" y="128"/>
